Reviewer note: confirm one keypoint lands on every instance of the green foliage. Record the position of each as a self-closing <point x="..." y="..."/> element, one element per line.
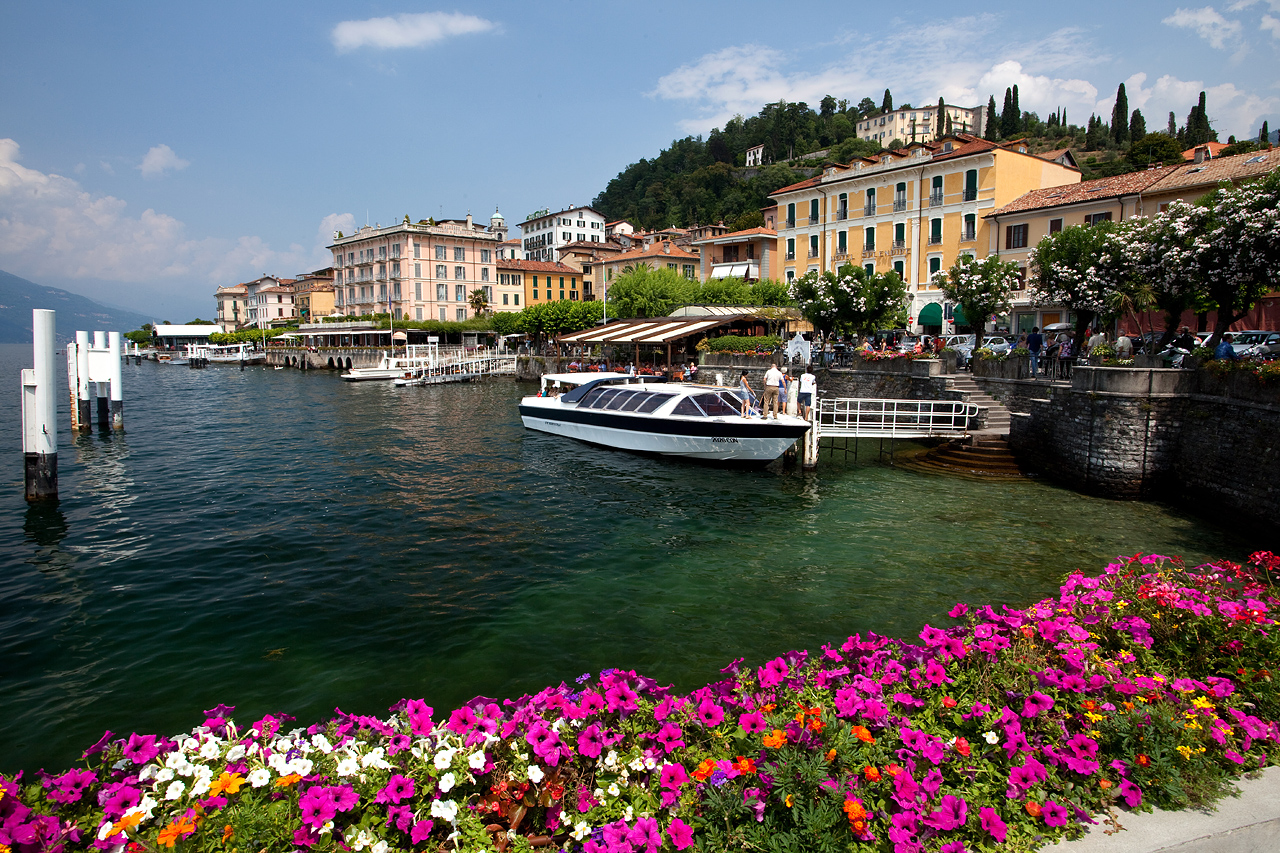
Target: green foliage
<point x="981" y="287"/>
<point x="646" y="292"/>
<point x="1155" y="148"/>
<point x="141" y="337"/>
<point x="851" y="299"/>
<point x="742" y="344"/>
<point x="1074" y="269"/>
<point x="548" y="319"/>
<point x="248" y="336"/>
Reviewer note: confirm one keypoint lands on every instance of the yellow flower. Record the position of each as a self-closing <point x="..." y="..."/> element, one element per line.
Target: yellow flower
<point x="1093" y="718"/>
<point x="1185" y="751"/>
<point x="1192" y="725"/>
<point x="788" y="801"/>
<point x="1202" y="702"/>
<point x="1122" y="604"/>
<point x="1094" y="733"/>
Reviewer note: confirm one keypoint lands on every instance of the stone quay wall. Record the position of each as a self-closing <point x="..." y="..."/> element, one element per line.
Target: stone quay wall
<point x="1183" y="436"/>
<point x="327" y="358"/>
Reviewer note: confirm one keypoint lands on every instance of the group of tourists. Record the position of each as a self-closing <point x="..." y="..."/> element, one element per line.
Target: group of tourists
<point x="777" y="385"/>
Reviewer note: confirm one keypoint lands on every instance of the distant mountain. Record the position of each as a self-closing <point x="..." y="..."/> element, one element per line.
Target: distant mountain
<point x="74" y="312"/>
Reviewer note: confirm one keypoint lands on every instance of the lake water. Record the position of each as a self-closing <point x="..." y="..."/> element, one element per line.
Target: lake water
<point x="287" y="542"/>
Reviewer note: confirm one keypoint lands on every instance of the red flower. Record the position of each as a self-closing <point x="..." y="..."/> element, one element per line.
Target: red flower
<point x="948" y="702"/>
<point x="962" y="747"/>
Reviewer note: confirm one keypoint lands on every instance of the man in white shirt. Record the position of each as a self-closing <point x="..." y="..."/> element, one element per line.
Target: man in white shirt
<point x="1124" y="345"/>
<point x="808" y="387"/>
<point x="772" y="385"/>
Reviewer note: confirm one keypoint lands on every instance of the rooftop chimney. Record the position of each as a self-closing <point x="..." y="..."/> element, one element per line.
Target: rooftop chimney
<point x="666" y="247"/>
<point x="1201" y="153"/>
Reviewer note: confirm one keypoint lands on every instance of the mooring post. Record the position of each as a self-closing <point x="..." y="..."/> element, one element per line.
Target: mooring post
<point x="40" y="412"/>
<point x="811" y="438"/>
<point x="82" y="381"/>
<point x="100" y="389"/>
<point x="73" y="385"/>
<point x="117" y="384"/>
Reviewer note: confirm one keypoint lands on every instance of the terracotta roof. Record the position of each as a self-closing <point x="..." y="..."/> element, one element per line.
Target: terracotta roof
<point x="803" y="185"/>
<point x="535" y="266"/>
<point x="608" y="246"/>
<point x="1237" y="167"/>
<point x="738" y="235"/>
<point x="657" y="250"/>
<point x="1215" y="148"/>
<point x="1103" y="188"/>
<point x="969" y="145"/>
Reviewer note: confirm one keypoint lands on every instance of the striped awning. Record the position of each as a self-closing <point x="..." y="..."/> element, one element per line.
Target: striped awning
<point x="657" y="331"/>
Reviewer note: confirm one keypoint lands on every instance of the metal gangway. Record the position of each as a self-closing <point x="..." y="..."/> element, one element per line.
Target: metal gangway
<point x="851" y="417"/>
<point x="461" y="369"/>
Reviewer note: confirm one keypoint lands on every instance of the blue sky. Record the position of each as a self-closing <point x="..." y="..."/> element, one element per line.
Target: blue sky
<point x="150" y="152"/>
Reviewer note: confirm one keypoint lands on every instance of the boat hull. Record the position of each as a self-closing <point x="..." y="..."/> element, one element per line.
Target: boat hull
<point x="709" y="439"/>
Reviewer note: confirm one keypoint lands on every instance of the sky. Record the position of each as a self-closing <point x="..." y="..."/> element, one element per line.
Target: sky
<point x="151" y="152"/>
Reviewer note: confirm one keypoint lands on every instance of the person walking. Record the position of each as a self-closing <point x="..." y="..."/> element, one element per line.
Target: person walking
<point x="808" y="387"/>
<point x="1035" y="342"/>
<point x="772" y="387"/>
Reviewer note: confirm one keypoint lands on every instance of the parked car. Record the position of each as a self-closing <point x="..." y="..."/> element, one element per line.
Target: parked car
<point x="1241" y="341"/>
<point x="1267" y="348"/>
<point x="963" y="345"/>
<point x="997" y="344"/>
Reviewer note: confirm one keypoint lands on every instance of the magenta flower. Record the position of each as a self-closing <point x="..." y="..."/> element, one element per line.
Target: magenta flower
<point x="936" y="673"/>
<point x="317" y="807"/>
<point x="118" y="799"/>
<point x="70" y="786"/>
<point x="680" y="833"/>
<point x="590" y="742"/>
<point x="420" y="831"/>
<point x="953" y="847"/>
<point x="620" y="697"/>
<point x="1053" y="814"/>
<point x="1036" y="704"/>
<point x="401" y="817"/>
<point x="673" y="776"/>
<point x="545" y="742"/>
<point x="1023" y="777"/>
<point x="959" y="610"/>
<point x="670" y="737"/>
<point x="992" y="823"/>
<point x="951" y="814"/>
<point x="140" y="748"/>
<point x="591" y="703"/>
<point x="420" y="717"/>
<point x="398" y="789"/>
<point x="773" y="672"/>
<point x="752" y="723"/>
<point x="710" y="713"/>
<point x="1132" y="793"/>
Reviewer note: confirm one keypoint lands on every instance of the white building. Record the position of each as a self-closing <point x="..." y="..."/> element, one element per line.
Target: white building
<point x="544" y="232"/>
<point x="755" y="155"/>
<point x="268" y="302"/>
<point x="416" y="271"/>
<point x="920" y="124"/>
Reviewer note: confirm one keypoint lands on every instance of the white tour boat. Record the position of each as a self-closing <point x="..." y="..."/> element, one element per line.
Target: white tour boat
<point x="392" y="366"/>
<point x="228" y="354"/>
<point x="648" y="415"/>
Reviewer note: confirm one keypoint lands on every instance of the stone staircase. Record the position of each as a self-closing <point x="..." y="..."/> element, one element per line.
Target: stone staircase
<point x="985" y="458"/>
<point x="997" y="414"/>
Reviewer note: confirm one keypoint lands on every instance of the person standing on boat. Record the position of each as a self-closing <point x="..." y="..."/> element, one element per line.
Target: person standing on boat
<point x="808" y="387"/>
<point x="772" y="387"/>
<point x="747" y="395"/>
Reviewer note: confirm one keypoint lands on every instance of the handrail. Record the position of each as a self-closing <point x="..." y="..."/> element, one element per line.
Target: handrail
<point x="866" y="418"/>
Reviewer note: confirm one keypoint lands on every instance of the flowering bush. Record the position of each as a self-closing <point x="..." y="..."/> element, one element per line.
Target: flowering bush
<point x="1145" y="685"/>
<point x="890" y="355"/>
<point x="1266" y="371"/>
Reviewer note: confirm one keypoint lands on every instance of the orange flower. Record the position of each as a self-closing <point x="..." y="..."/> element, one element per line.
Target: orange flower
<point x="789" y="802"/>
<point x="893" y="770"/>
<point x="948" y="702"/>
<point x="129" y="821"/>
<point x="705" y="769"/>
<point x="1105" y="784"/>
<point x="1028" y="631"/>
<point x="228" y="782"/>
<point x="180" y="827"/>
<point x="872" y="774"/>
<point x="286" y="781"/>
<point x="816" y="725"/>
<point x="1128" y="706"/>
<point x="775" y="740"/>
<point x="831" y="755"/>
<point x="1032" y="807"/>
<point x="744" y="765"/>
<point x="863" y="735"/>
<point x="1142" y="760"/>
<point x="768" y="709"/>
<point x="858" y="825"/>
<point x="962" y="747"/>
<point x="1089" y="705"/>
<point x="854" y="810"/>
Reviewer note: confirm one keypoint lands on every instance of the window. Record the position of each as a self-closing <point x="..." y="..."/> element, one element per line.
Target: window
<point x="791" y="248"/>
<point x="417" y="291"/>
<point x="462" y="313"/>
<point x="395" y="269"/>
<point x="417" y="253"/>
<point x="460" y="272"/>
<point x="791" y="216"/>
<point x="869" y="241"/>
<point x="900" y="197"/>
<point x="935" y="191"/>
<point x="970" y="228"/>
<point x="842" y="243"/>
<point x="1095" y="218"/>
<point x="417" y="270"/>
<point x="440" y="255"/>
<point x="441" y="272"/>
<point x="515" y="299"/>
<point x="935" y="232"/>
<point x="459" y="293"/>
<point x="900" y="235"/>
<point x="690" y="272"/>
<point x="395" y="250"/>
<point x="1015" y="237"/>
<point x="505" y="296"/>
<point x="535" y="293"/>
<point x="1055" y="226"/>
<point x="567" y="236"/>
<point x="813" y="245"/>
<point x="459" y="253"/>
<point x="417" y="313"/>
<point x="935" y="267"/>
<point x="813" y="211"/>
<point x="870" y="209"/>
<point x="971" y="185"/>
<point x="791" y="275"/>
<point x="899" y="267"/>
<point x="442" y="292"/>
<point x="382" y="253"/>
<point x="870" y="268"/>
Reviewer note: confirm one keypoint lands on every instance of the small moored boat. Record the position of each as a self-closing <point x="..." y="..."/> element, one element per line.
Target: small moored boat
<point x="648" y="415"/>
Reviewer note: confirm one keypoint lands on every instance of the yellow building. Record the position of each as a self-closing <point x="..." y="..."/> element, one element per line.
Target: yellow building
<point x="538" y="281"/>
<point x="663" y="254"/>
<point x="313" y="295"/>
<point x="914" y="211"/>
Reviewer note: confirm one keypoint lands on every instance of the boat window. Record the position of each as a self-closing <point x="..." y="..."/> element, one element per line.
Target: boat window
<point x="620" y="398"/>
<point x="689" y="408"/>
<point x="590" y="397"/>
<point x="636" y="399"/>
<point x="733" y="399"/>
<point x="606" y="395"/>
<point x="716" y="407"/>
<point x="653" y="403"/>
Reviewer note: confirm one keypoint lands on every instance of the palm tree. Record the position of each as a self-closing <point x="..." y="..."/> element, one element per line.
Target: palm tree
<point x="478" y="301"/>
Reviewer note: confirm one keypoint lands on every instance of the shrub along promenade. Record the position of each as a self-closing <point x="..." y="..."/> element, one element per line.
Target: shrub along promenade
<point x="1005" y="729"/>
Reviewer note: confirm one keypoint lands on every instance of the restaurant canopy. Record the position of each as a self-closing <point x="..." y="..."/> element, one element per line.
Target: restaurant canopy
<point x="930" y="315"/>
<point x="660" y="330"/>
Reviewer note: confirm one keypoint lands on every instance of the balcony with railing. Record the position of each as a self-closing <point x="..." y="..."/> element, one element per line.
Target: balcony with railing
<point x="899" y="247"/>
<point x="935" y="199"/>
<point x="868" y="250"/>
<point x="791" y="256"/>
<point x="969" y="235"/>
<point x="970" y="194"/>
<point x="899" y="204"/>
<point x="869" y="210"/>
<point x="813" y="253"/>
<point x="840" y="256"/>
<point x="842" y="213"/>
<point x="791" y="223"/>
<point x="935" y="239"/>
<point x="813" y="220"/>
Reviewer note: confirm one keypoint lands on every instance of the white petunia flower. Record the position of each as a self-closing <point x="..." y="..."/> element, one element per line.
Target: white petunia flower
<point x="164" y="774"/>
<point x="259" y="777"/>
<point x="535" y="774"/>
<point x="302" y="766"/>
<point x="447" y="781"/>
<point x="347" y="766"/>
<point x="175" y="790"/>
<point x="476" y="761"/>
<point x="279" y="763"/>
<point x="210" y="750"/>
<point x="190" y="744"/>
<point x="236" y="752"/>
<point x="321" y="743"/>
<point x="444" y="758"/>
<point x="445" y="810"/>
<point x="380" y="847"/>
<point x="614" y="790"/>
<point x="374" y="758"/>
<point x="630" y="814"/>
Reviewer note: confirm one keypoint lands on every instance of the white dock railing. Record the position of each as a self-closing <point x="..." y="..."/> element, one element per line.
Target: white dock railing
<point x="843" y="417"/>
<point x="460" y="370"/>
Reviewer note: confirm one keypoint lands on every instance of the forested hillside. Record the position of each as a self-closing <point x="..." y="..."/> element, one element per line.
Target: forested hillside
<point x="704" y="181"/>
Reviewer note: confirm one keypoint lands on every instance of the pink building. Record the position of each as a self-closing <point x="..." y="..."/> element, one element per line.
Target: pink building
<point x="417" y="271"/>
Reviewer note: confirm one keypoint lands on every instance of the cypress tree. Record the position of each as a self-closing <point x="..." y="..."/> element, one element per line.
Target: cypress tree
<point x="1137" y="126"/>
<point x="886" y="106"/>
<point x="1008" y="116"/>
<point x="949" y="124"/>
<point x="1120" y="117"/>
<point x="941" y="122"/>
<point x="1264" y="135"/>
<point x="1173" y="125"/>
<point x="989" y="131"/>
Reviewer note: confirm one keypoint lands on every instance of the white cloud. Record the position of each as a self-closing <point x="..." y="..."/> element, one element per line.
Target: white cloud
<point x="1039" y="93"/>
<point x="1231" y="110"/>
<point x="51" y="228"/>
<point x="406" y="30"/>
<point x="107" y="167"/>
<point x="1208" y="23"/>
<point x="161" y="159"/>
<point x="1271" y="25"/>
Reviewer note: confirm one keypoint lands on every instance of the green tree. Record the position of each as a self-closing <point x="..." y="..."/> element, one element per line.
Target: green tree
<point x="866" y="108"/>
<point x="479" y="301"/>
<point x="981" y="287"/>
<point x="1070" y="269"/>
<point x="886" y="106"/>
<point x="1154" y="148"/>
<point x="1172" y="129"/>
<point x="1008" y="118"/>
<point x="1264" y="135"/>
<point x="1137" y="126"/>
<point x="849" y="299"/>
<point x="942" y="118"/>
<point x="1199" y="131"/>
<point x="991" y="130"/>
<point x="1120" y="117"/>
<point x="644" y="292"/>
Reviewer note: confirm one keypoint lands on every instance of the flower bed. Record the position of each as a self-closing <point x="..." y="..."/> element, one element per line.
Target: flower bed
<point x="1144" y="686"/>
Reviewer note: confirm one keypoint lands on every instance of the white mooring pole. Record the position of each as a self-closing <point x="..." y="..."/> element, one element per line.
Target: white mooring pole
<point x="82" y="381"/>
<point x="117" y="384"/>
<point x="40" y="412"/>
<point x="100" y="390"/>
